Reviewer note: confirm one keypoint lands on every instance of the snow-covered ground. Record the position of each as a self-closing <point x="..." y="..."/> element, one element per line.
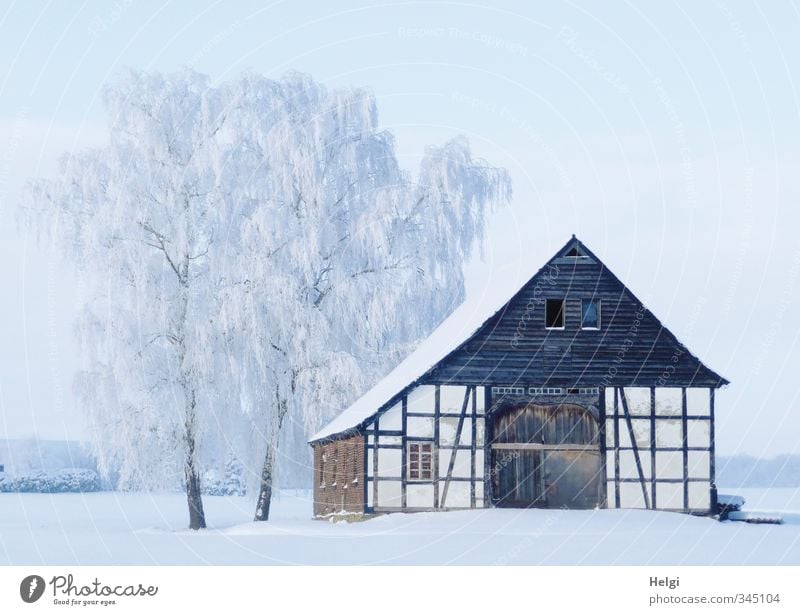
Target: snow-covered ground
<point x="137" y="528"/>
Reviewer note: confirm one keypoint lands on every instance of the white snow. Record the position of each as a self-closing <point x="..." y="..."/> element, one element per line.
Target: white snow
<point x="145" y="528"/>
<point x="731" y="500"/>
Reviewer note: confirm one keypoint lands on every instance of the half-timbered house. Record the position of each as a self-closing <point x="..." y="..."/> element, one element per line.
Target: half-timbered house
<point x="571" y="394"/>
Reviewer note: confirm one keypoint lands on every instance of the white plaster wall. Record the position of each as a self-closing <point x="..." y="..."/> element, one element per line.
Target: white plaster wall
<point x="389" y="462"/>
<point x="419" y="495"/>
<point x="669" y="495"/>
<point x="641" y="432"/>
<point x="458" y="494"/>
<point x="668" y="401"/>
<point x="610" y="433"/>
<point x="481" y="404"/>
<point x="669" y="464"/>
<point x="392" y="419"/>
<point x="420" y="426"/>
<point x="422" y="399"/>
<point x="479" y="431"/>
<point x="451" y="398"/>
<point x="624" y="434"/>
<point x="448" y="426"/>
<point x="700" y="495"/>
<point x="627" y="464"/>
<point x="698" y="432"/>
<point x="669" y="433"/>
<point x="638" y="399"/>
<point x="461" y="468"/>
<point x="698" y="401"/>
<point x="630" y="495"/>
<point x="389" y="493"/>
<point x="699" y="464"/>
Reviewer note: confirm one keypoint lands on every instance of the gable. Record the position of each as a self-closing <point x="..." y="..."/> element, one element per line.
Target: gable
<point x="631" y="347"/>
<point x="511" y="345"/>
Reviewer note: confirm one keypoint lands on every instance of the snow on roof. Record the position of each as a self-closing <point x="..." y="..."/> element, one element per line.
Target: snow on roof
<point x="452" y="332"/>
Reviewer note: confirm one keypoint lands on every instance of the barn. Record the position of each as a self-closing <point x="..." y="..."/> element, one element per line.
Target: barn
<point x="571" y="394"/>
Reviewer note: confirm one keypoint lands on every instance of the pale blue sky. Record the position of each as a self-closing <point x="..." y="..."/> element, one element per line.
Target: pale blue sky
<point x="664" y="134"/>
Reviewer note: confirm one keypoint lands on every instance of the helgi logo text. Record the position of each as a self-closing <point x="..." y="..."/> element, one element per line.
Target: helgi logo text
<point x="31" y="588"/>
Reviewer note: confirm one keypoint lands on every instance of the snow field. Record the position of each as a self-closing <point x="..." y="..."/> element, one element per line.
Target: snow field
<point x="150" y="528"/>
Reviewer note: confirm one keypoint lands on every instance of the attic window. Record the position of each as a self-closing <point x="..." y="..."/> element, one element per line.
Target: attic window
<point x="554" y="314"/>
<point x="590" y="313"/>
<point x="575" y="252"/>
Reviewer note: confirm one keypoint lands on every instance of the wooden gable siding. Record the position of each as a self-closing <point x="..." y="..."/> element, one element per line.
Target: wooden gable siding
<point x="631" y="348"/>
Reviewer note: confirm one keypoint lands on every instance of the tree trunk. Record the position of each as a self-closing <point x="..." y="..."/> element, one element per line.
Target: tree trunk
<point x="265" y="486"/>
<point x="197" y="516"/>
<point x="268" y="469"/>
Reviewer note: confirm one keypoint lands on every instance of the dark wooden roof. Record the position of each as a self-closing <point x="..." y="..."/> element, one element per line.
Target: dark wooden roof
<point x="631" y="347"/>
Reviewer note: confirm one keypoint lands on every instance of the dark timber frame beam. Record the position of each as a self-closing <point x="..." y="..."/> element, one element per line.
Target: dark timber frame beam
<point x="404" y="454"/>
<point x="473" y="447"/>
<point x="435" y="461"/>
<point x="685" y="444"/>
<point x="712" y="470"/>
<point x="653" y="446"/>
<point x="601" y="428"/>
<point x="617" y="500"/>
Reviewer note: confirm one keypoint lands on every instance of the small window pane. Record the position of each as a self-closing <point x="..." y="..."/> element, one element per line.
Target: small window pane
<point x="590" y="313"/>
<point x="420" y="460"/>
<point x="554" y="314"/>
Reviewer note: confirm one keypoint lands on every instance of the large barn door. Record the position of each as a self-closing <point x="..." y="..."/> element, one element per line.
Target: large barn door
<point x="545" y="456"/>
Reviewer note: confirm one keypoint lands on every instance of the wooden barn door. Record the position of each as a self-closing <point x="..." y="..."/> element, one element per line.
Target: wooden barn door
<point x="545" y="456"/>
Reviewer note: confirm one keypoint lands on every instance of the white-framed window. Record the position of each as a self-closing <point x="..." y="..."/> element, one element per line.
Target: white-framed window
<point x="584" y="391"/>
<point x="590" y="314"/>
<point x="545" y="391"/>
<point x="420" y="461"/>
<point x="508" y="390"/>
<point x="554" y="314"/>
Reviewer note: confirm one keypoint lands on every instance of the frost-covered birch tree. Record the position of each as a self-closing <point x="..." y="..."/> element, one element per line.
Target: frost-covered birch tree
<point x="142" y="218"/>
<point x="347" y="258"/>
<point x="254" y="254"/>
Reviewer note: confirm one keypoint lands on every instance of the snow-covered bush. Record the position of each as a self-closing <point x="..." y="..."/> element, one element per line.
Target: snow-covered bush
<point x="70" y="480"/>
<point x="229" y="482"/>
